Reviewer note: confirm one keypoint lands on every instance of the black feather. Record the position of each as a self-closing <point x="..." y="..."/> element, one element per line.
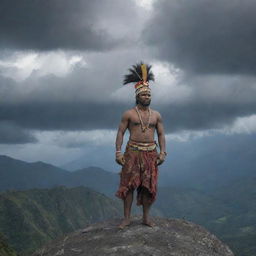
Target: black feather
<point x="135" y="74"/>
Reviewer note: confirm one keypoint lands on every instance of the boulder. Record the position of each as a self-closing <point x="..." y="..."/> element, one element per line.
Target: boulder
<point x="172" y="237"/>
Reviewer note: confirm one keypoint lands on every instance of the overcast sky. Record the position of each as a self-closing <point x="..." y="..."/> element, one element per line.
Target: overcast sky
<point x="62" y="65"/>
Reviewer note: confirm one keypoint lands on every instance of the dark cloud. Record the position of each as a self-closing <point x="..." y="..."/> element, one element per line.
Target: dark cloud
<point x="87" y="115"/>
<point x="63" y="116"/>
<point x="81" y="100"/>
<point x="77" y="101"/>
<point x="54" y="24"/>
<point x="205" y="36"/>
<point x="10" y="133"/>
<point x="203" y="116"/>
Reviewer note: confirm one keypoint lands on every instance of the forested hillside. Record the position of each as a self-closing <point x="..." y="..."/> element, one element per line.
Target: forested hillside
<point x="30" y="218"/>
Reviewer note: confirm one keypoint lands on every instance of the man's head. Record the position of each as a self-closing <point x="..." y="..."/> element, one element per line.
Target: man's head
<point x="143" y="98"/>
<point x="141" y="74"/>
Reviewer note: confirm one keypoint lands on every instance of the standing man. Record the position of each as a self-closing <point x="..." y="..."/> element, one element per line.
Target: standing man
<point x="141" y="159"/>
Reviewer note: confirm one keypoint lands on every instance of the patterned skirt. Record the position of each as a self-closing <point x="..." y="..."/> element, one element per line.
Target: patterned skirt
<point x="140" y="171"/>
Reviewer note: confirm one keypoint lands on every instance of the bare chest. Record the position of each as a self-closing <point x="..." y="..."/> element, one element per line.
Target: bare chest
<point x="143" y="119"/>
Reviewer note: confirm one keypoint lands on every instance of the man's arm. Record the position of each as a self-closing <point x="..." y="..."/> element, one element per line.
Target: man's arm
<point x="161" y="139"/>
<point x="119" y="137"/>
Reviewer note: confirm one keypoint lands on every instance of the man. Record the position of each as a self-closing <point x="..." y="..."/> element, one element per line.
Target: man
<point x="140" y="160"/>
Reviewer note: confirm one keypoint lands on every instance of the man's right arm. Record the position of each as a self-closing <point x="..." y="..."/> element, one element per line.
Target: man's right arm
<point x="119" y="137"/>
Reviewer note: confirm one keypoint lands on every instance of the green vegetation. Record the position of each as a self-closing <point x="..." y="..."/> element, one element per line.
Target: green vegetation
<point x="5" y="249"/>
<point x="31" y="218"/>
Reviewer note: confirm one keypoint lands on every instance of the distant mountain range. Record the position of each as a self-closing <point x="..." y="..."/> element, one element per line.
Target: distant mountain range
<point x="20" y="175"/>
<point x="30" y="218"/>
<point x="210" y="163"/>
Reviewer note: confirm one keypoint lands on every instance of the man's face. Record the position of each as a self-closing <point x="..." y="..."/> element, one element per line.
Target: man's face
<point x="144" y="98"/>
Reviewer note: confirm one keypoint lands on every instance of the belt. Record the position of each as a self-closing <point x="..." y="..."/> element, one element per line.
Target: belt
<point x="140" y="146"/>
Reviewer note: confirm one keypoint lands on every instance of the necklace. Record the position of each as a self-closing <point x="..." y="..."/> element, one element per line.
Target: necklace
<point x="143" y="126"/>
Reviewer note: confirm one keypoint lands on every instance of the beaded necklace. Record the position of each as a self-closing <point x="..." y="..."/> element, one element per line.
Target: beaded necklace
<point x="143" y="126"/>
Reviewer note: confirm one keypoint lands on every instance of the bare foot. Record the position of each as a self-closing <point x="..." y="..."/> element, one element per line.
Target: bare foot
<point x="148" y="223"/>
<point x="124" y="223"/>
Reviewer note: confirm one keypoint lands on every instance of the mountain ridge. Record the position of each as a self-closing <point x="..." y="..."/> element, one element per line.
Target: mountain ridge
<point x="30" y="218"/>
<point x="18" y="175"/>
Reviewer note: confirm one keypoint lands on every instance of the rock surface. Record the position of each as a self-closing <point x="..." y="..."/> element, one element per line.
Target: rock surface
<point x="172" y="237"/>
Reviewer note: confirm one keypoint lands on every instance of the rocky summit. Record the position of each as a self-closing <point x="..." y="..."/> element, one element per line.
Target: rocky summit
<point x="174" y="237"/>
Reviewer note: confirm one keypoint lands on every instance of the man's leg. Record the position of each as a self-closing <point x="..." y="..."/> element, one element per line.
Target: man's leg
<point x="146" y="203"/>
<point x="127" y="209"/>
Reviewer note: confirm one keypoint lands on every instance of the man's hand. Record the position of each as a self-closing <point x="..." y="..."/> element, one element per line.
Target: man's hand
<point x="160" y="158"/>
<point x="120" y="159"/>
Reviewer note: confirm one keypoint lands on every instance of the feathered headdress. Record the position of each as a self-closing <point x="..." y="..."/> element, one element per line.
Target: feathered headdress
<point x="140" y="74"/>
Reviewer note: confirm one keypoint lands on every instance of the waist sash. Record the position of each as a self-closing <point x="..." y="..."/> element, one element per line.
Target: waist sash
<point x="141" y="146"/>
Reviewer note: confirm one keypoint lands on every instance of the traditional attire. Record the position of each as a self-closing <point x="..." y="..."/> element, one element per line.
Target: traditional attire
<point x="139" y="171"/>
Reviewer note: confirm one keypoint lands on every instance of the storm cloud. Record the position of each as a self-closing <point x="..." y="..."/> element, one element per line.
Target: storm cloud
<point x="204" y="36"/>
<point x="54" y="24"/>
<point x="10" y="133"/>
<point x="79" y="102"/>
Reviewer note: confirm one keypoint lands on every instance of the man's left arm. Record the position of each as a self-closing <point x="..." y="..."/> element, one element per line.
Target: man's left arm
<point x="161" y="139"/>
